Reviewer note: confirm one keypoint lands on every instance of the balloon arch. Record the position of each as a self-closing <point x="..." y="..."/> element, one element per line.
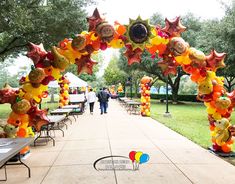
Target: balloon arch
<point x="135" y="37"/>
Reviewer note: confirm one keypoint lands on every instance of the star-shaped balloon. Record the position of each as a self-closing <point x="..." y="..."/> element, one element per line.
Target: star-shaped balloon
<point x="94" y="20"/>
<point x="37" y="117"/>
<point x="173" y="27"/>
<point x="133" y="56"/>
<point x="36" y="52"/>
<point x="7" y="95"/>
<point x="168" y="65"/>
<point x="85" y="64"/>
<point x="215" y="60"/>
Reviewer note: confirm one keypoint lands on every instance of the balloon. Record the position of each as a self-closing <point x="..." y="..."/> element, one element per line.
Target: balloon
<point x="138" y="155"/>
<point x="132" y="155"/>
<point x="22" y="132"/>
<point x="144" y="158"/>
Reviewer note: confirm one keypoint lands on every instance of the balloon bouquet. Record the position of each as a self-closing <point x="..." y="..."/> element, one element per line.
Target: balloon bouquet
<point x="64" y="91"/>
<point x="120" y="88"/>
<point x="138" y="35"/>
<point x="146" y="83"/>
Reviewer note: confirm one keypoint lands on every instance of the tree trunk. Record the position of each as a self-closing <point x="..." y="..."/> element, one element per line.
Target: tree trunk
<point x="136" y="89"/>
<point x="52" y="97"/>
<point x="175" y="86"/>
<point x="230" y="83"/>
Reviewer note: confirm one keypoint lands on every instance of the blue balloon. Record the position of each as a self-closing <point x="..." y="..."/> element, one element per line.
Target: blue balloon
<point x="144" y="158"/>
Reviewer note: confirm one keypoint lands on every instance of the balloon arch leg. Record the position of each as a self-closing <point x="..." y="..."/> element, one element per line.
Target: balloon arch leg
<point x="137" y="36"/>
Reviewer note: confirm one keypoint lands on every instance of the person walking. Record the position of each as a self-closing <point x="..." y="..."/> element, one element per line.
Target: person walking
<point x="103" y="99"/>
<point x="91" y="100"/>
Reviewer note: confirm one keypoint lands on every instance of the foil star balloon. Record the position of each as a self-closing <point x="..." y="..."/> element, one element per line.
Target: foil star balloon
<point x="94" y="20"/>
<point x="168" y="66"/>
<point x="173" y="27"/>
<point x="36" y="52"/>
<point x="133" y="56"/>
<point x="7" y="95"/>
<point x="85" y="64"/>
<point x="215" y="60"/>
<point x="37" y="117"/>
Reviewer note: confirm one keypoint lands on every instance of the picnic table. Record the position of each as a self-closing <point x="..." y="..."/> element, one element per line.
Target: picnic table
<point x="11" y="147"/>
<point x="76" y="110"/>
<point x="133" y="106"/>
<point x="65" y="112"/>
<point x="54" y="124"/>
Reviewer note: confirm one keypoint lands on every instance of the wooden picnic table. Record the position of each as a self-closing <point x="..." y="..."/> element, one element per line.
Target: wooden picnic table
<point x="11" y="147"/>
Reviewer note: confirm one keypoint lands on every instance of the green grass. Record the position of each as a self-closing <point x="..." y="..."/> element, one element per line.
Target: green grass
<point x="190" y="120"/>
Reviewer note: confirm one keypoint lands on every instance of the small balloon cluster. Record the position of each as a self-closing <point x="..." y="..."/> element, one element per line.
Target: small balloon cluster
<point x="138" y="157"/>
<point x="112" y="90"/>
<point x="145" y="85"/>
<point x="120" y="88"/>
<point x="64" y="91"/>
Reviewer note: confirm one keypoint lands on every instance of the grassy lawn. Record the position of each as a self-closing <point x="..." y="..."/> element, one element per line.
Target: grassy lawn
<point x="190" y="120"/>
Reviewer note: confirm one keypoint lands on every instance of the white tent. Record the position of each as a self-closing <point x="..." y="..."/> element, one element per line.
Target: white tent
<point x="73" y="79"/>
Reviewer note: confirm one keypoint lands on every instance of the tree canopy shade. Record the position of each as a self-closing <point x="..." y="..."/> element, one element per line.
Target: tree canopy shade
<point x="38" y="21"/>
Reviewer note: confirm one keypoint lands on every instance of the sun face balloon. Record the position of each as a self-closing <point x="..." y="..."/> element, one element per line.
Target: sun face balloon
<point x="138" y="33"/>
<point x="105" y="31"/>
<point x="177" y="46"/>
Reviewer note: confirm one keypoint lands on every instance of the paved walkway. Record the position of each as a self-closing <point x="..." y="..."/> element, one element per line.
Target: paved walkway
<point x="173" y="158"/>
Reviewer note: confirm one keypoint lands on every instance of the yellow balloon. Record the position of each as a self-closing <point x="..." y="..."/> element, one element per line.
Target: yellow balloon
<point x="216" y="116"/>
<point x="138" y="155"/>
<point x="210" y="110"/>
<point x="55" y="73"/>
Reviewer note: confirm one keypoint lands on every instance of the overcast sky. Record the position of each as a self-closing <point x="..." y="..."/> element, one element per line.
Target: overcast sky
<point x="122" y="10"/>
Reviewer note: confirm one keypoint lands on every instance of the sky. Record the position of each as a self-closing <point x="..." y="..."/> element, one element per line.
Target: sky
<point x="122" y="10"/>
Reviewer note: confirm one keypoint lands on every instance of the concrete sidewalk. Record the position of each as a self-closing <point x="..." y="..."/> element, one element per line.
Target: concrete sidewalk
<point x="173" y="158"/>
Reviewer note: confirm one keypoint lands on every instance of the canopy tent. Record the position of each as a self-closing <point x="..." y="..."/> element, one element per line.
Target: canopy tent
<point x="73" y="79"/>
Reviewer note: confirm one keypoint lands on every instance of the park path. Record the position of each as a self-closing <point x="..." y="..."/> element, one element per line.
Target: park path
<point x="173" y="158"/>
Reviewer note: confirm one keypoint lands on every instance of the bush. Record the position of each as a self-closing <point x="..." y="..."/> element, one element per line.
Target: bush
<point x="188" y="98"/>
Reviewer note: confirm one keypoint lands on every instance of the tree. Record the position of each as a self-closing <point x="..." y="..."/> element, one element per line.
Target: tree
<point x="38" y="21"/>
<point x="112" y="74"/>
<point x="5" y="77"/>
<point x="220" y="35"/>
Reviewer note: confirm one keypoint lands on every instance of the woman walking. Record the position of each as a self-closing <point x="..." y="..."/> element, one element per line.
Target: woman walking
<point x="91" y="100"/>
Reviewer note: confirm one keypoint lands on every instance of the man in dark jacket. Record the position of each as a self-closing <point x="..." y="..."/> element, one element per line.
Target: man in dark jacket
<point x="103" y="99"/>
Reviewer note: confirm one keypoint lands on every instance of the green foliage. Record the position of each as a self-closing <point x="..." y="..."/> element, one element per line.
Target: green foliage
<point x="113" y="75"/>
<point x="5" y="77"/>
<point x="38" y="21"/>
<point x="187" y="87"/>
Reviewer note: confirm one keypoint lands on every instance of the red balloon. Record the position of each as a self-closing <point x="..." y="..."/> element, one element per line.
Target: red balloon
<point x="132" y="155"/>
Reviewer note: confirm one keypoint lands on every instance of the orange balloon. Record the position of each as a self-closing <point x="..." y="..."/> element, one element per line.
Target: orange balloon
<point x="21" y="133"/>
<point x="24" y="150"/>
<point x="226" y="148"/>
